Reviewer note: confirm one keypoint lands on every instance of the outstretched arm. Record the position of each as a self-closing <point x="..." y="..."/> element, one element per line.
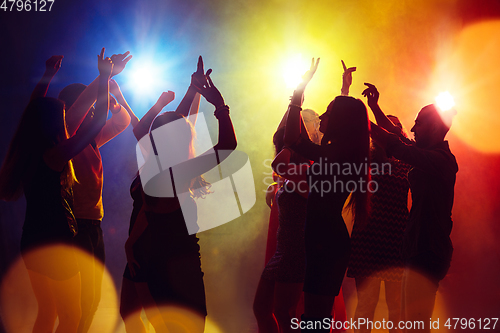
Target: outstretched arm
<point x="52" y="65"/>
<point x="372" y="94"/>
<point x="58" y="156"/>
<point x="294" y="124"/>
<point x="142" y="128"/>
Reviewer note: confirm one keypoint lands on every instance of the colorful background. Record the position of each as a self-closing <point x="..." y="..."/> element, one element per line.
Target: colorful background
<point x="411" y="50"/>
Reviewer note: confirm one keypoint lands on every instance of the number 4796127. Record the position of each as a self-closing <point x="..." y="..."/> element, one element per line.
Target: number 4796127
<point x="471" y="323"/>
<point x="27" y="5"/>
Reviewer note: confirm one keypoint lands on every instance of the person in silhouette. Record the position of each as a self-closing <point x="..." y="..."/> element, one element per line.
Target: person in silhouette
<point x="376" y="247"/>
<point x="175" y="278"/>
<point x="39" y="164"/>
<point x="427" y="248"/>
<point x="345" y="142"/>
<point x="135" y="294"/>
<point x="280" y="288"/>
<point x="88" y="207"/>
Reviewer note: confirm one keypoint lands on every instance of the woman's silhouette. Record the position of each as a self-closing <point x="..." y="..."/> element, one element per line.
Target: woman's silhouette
<point x="175" y="278"/>
<point x="345" y="143"/>
<point x="39" y="164"/>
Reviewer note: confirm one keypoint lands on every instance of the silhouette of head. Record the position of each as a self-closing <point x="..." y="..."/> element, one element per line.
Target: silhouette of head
<point x="70" y="93"/>
<point x="345" y="121"/>
<point x="43" y="121"/>
<point x="174" y="130"/>
<point x="311" y="121"/>
<point x="431" y="126"/>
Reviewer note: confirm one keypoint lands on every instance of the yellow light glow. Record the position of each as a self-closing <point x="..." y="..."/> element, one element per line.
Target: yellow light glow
<point x="445" y="101"/>
<point x="293" y="70"/>
<point x="18" y="306"/>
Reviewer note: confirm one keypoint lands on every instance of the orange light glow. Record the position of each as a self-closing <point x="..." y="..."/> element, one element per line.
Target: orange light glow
<point x="470" y="74"/>
<point x="18" y="306"/>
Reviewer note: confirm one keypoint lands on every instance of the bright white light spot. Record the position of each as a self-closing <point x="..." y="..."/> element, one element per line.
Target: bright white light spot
<point x="445" y="101"/>
<point x="293" y="70"/>
<point x="143" y="78"/>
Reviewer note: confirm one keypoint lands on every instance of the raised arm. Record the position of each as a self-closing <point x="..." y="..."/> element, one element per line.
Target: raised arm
<point x="372" y="95"/>
<point x="294" y="123"/>
<point x="118" y="122"/>
<point x="435" y="162"/>
<point x="346" y="79"/>
<point x="87" y="98"/>
<point x="52" y="65"/>
<point x="227" y="137"/>
<point x="191" y="101"/>
<point x="58" y="156"/>
<point x="186" y="171"/>
<point x="115" y="90"/>
<point x="142" y="128"/>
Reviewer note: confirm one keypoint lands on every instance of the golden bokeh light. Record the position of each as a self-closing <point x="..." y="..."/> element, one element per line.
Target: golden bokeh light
<point x="470" y="74"/>
<point x="177" y="318"/>
<point x="18" y="306"/>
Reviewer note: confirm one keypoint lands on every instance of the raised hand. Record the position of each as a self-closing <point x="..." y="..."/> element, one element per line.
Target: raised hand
<point x="119" y="62"/>
<point x="210" y="92"/>
<point x="105" y="65"/>
<point x="165" y="98"/>
<point x="306" y="78"/>
<point x="198" y="78"/>
<point x="346" y="78"/>
<point x="298" y="94"/>
<point x="53" y="64"/>
<point x="372" y="94"/>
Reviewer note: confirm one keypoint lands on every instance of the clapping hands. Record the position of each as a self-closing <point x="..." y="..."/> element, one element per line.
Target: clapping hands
<point x="202" y="82"/>
<point x="198" y="78"/>
<point x="205" y="86"/>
